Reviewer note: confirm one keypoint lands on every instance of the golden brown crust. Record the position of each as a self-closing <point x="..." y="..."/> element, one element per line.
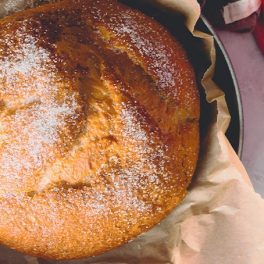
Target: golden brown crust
<point x="99" y="130"/>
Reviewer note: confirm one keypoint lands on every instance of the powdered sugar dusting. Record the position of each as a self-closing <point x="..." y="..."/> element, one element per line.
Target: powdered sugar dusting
<point x="132" y="128"/>
<point x="151" y="154"/>
<point x="28" y="135"/>
<point x="31" y="58"/>
<point x="145" y="160"/>
<point x="148" y="46"/>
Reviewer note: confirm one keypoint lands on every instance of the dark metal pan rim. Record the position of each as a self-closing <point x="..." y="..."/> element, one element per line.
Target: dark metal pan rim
<point x="239" y="109"/>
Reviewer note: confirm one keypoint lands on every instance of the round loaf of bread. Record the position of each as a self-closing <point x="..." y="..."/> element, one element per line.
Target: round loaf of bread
<point x="99" y="127"/>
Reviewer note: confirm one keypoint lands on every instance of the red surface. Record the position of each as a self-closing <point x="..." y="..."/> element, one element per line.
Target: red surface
<point x="259" y="30"/>
<point x="259" y="34"/>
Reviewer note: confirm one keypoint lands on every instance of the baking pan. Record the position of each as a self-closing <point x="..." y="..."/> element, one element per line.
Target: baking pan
<point x="226" y="79"/>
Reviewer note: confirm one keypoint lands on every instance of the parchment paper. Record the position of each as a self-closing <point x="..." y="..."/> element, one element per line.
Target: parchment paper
<point x="221" y="220"/>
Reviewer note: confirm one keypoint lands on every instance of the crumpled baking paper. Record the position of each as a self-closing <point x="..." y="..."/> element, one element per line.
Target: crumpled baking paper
<point x="221" y="219"/>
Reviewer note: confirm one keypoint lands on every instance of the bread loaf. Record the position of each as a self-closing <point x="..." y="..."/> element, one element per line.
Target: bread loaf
<point x="99" y="127"/>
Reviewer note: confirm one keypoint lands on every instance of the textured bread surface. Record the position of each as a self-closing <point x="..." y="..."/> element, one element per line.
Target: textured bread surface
<point x="99" y="127"/>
